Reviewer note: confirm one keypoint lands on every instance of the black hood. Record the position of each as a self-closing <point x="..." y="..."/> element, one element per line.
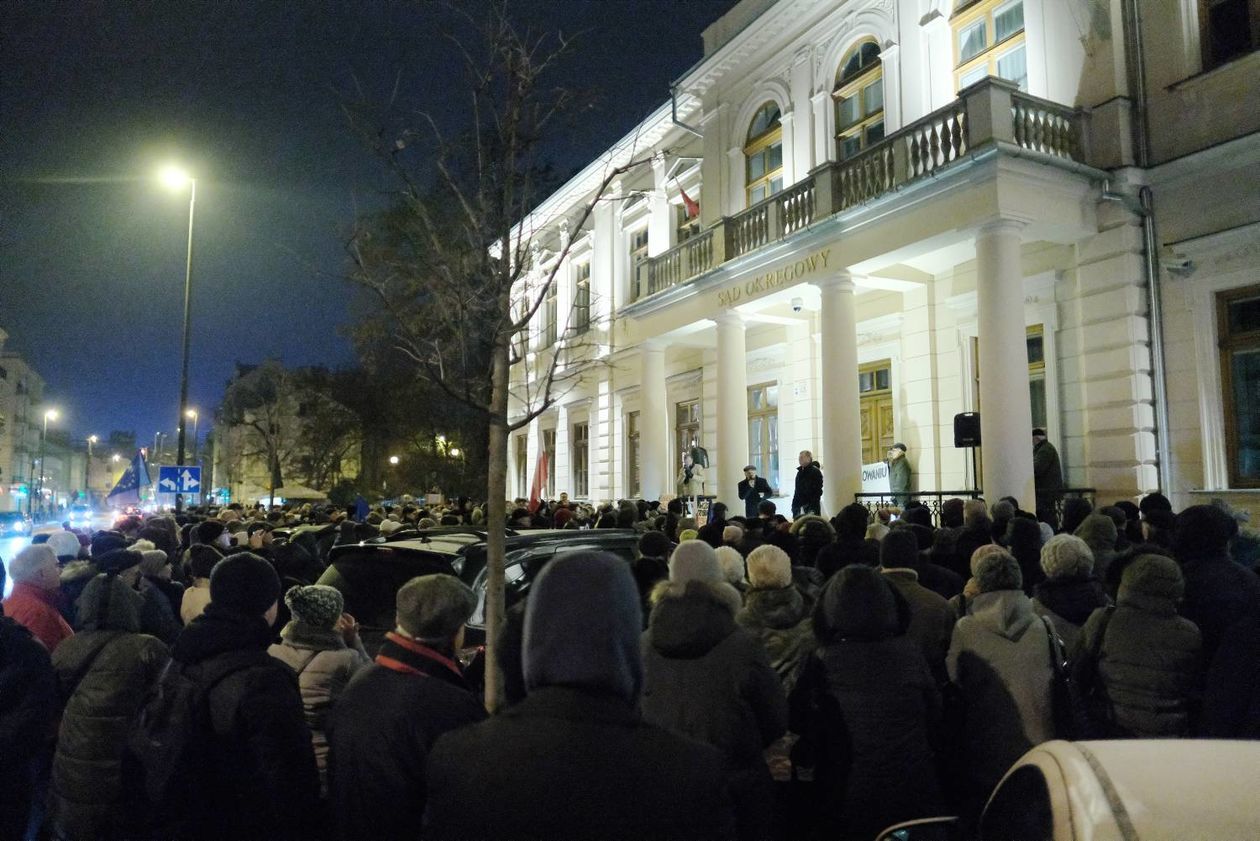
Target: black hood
<point x="219" y="630"/>
<point x="1072" y="598"/>
<point x="689" y="626"/>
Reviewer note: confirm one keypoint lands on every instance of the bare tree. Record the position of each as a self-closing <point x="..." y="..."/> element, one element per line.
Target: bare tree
<point x="461" y="264"/>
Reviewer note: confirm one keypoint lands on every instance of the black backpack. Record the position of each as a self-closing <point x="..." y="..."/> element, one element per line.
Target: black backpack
<point x="170" y="742"/>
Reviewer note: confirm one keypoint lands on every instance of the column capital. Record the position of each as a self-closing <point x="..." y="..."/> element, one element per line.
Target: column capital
<point x="651" y="346"/>
<point x="729" y="317"/>
<point x="1001" y="225"/>
<point x="841" y="280"/>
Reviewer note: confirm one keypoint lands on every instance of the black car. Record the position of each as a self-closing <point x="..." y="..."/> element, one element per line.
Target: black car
<point x="14" y="522"/>
<point x="369" y="574"/>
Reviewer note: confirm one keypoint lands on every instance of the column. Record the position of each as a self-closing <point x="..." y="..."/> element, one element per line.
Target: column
<point x="653" y="422"/>
<point x="732" y="408"/>
<point x="841" y="455"/>
<point x="1005" y="409"/>
<point x="660" y="217"/>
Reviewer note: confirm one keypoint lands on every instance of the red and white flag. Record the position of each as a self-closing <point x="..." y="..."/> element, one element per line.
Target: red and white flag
<point x="540" y="482"/>
<point x="690" y="205"/>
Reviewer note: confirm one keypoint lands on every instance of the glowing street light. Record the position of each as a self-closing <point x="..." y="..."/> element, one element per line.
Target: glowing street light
<point x="87" y="469"/>
<point x="393" y="459"/>
<point x="177" y="179"/>
<point x="49" y="414"/>
<point x="115" y="458"/>
<point x="192" y="413"/>
<point x="454" y="452"/>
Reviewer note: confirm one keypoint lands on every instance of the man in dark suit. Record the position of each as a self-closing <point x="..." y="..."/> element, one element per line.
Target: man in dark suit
<point x="752" y="490"/>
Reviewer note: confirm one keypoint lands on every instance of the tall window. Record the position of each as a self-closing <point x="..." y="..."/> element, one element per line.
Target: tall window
<point x="638" y="246"/>
<point x="522" y="465"/>
<point x="859" y="96"/>
<point x="581" y="460"/>
<point x="763" y="154"/>
<point x="582" y="298"/>
<point x="989" y="41"/>
<point x="686" y="426"/>
<point x="549" y="446"/>
<point x="763" y="430"/>
<point x="634" y="486"/>
<point x="1036" y="338"/>
<point x="687" y="227"/>
<point x="1229" y="29"/>
<point x="550" y="313"/>
<point x="1238" y="322"/>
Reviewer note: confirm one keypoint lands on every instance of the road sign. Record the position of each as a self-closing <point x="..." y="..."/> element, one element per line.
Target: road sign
<point x="179" y="480"/>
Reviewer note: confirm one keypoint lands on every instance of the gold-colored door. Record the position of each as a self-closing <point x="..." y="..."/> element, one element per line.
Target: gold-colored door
<point x="877" y="427"/>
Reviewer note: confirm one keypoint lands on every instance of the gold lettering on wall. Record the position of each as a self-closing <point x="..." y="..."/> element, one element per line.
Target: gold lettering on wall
<point x="786" y="275"/>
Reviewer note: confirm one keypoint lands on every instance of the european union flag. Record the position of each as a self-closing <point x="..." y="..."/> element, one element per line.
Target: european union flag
<point x="127" y="491"/>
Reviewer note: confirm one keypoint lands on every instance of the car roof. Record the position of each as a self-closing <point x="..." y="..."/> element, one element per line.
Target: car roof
<point x="1150" y="788"/>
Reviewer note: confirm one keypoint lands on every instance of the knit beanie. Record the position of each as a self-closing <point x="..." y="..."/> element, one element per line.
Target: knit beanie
<point x="245" y="583"/>
<point x="769" y="568"/>
<point x="64" y="544"/>
<point x="732" y="534"/>
<point x="153" y="561"/>
<point x="207" y="532"/>
<point x="107" y="541"/>
<point x="202" y="558"/>
<point x="899" y="549"/>
<point x="318" y="605"/>
<point x="1152" y="576"/>
<point x="654" y="544"/>
<point x="1066" y="556"/>
<point x="731" y="562"/>
<point x="998" y="571"/>
<point x="695" y="560"/>
<point x="117" y="560"/>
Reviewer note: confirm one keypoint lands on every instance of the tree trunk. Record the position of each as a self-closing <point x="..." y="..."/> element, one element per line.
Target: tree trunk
<point x="496" y="515"/>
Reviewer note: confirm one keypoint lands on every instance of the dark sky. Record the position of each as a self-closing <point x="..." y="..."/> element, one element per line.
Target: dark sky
<point x="95" y="96"/>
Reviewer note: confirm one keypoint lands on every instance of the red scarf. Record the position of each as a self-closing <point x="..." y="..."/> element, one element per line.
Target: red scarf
<point x="411" y="647"/>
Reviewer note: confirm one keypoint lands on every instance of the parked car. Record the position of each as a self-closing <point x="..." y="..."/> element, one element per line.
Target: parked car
<point x="369" y="574"/>
<point x="14" y="523"/>
<point x="1123" y="789"/>
<point x="80" y="516"/>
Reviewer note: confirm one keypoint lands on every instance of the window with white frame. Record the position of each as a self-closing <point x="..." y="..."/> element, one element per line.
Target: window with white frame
<point x="582" y="297"/>
<point x="634" y="487"/>
<point x="763" y="154"/>
<point x="1238" y="324"/>
<point x="989" y="41"/>
<point x="581" y="460"/>
<point x="859" y="96"/>
<point x="763" y="429"/>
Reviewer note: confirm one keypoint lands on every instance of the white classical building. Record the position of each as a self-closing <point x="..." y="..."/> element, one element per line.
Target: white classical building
<point x="908" y="210"/>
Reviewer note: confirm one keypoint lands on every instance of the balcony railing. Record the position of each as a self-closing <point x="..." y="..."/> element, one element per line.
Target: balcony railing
<point x="990" y="112"/>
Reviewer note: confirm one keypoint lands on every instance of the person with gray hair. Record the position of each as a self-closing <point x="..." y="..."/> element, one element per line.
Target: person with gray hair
<point x="999" y="658"/>
<point x="385" y="722"/>
<point x="1070" y="593"/>
<point x="33" y="603"/>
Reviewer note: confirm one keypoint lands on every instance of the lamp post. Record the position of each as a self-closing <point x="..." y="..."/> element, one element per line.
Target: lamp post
<point x="49" y="414"/>
<point x="87" y="470"/>
<point x="192" y="413"/>
<point x="393" y="462"/>
<point x="178" y="179"/>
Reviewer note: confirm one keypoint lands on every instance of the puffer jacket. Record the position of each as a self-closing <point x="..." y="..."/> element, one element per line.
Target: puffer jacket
<point x="324" y="665"/>
<point x="999" y="658"/>
<point x="707" y="678"/>
<point x="1143" y="658"/>
<point x="103" y="673"/>
<point x="781" y="620"/>
<point x="1068" y="603"/>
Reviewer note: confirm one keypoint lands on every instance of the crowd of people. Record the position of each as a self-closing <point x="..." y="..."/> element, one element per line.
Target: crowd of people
<point x="743" y="677"/>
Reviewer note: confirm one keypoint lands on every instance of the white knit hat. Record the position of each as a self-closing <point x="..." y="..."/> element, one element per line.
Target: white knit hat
<point x="732" y="563"/>
<point x="1065" y="556"/>
<point x="769" y="568"/>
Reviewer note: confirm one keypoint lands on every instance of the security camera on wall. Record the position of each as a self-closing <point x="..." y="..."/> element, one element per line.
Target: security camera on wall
<point x="798" y="304"/>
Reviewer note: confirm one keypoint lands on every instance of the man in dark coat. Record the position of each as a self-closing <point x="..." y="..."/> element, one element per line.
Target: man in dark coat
<point x="752" y="490"/>
<point x="1219" y="592"/>
<point x="1047" y="472"/>
<point x="898" y="475"/>
<point x="807" y="498"/>
<point x="260" y="780"/>
<point x="574" y="759"/>
<point x="28" y="707"/>
<point x="386" y="721"/>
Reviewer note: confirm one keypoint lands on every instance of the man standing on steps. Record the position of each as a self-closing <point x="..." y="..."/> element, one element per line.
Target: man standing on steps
<point x="898" y="475"/>
<point x="752" y="490"/>
<point x="807" y="498"/>
<point x="1047" y="472"/>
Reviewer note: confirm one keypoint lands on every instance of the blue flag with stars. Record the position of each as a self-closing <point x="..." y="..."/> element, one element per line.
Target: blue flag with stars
<point x="127" y="491"/>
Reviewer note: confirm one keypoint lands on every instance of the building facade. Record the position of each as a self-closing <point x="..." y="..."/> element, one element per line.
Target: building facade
<point x="908" y="210"/>
<point x="21" y="397"/>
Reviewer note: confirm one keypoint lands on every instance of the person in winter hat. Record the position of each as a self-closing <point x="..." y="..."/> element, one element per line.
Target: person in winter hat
<point x="693" y="654"/>
<point x="65" y="545"/>
<point x="575" y="759"/>
<point x="1070" y="593"/>
<point x="650" y="567"/>
<point x="33" y="602"/>
<point x="732" y="564"/>
<point x="931" y="618"/>
<point x="778" y="612"/>
<point x="261" y="760"/>
<point x="321" y="644"/>
<point x="999" y="657"/>
<point x="1100" y="533"/>
<point x="1138" y="662"/>
<point x="1219" y="592"/>
<point x="201" y="560"/>
<point x="155" y="572"/>
<point x="104" y="673"/>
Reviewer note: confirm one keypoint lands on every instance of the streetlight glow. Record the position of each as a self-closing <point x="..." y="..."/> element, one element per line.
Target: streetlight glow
<point x="50" y="415"/>
<point x="174" y="178"/>
<point x="92" y="439"/>
<point x="191" y="413"/>
<point x="393" y="459"/>
<point x="455" y="452"/>
<point x="115" y="457"/>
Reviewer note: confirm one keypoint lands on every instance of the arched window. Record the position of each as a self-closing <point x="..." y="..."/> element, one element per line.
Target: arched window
<point x="763" y="154"/>
<point x="859" y="96"/>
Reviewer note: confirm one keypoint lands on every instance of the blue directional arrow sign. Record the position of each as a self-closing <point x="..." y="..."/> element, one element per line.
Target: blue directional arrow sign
<point x="179" y="479"/>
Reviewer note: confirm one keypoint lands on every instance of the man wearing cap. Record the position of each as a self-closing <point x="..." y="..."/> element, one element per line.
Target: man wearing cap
<point x="385" y="722"/>
<point x="898" y="475"/>
<point x="260" y="780"/>
<point x="1047" y="474"/>
<point x="752" y="490"/>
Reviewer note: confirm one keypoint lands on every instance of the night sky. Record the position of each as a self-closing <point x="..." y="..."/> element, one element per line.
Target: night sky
<point x="95" y="96"/>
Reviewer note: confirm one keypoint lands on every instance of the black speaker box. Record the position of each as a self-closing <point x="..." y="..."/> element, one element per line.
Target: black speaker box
<point x="967" y="429"/>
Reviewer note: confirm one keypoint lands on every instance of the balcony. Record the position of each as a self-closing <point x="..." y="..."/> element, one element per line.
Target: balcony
<point x="990" y="113"/>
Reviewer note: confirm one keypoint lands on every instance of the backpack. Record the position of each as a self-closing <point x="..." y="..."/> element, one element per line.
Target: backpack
<point x="169" y="746"/>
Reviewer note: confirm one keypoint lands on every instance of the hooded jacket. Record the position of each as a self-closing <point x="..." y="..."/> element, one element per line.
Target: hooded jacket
<point x="575" y="759"/>
<point x="1000" y="660"/>
<point x="1143" y="657"/>
<point x="28" y="706"/>
<point x="1068" y="603"/>
<point x="780" y="618"/>
<point x="104" y="673"/>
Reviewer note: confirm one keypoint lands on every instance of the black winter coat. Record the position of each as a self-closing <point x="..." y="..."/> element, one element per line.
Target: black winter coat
<point x="807" y="497"/>
<point x="28" y="707"/>
<point x="570" y="764"/>
<point x="261" y="780"/>
<point x="103" y="678"/>
<point x="380" y="733"/>
<point x="1218" y="593"/>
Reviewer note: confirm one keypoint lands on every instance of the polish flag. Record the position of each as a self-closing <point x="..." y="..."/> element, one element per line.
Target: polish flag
<point x="691" y="205"/>
<point x="540" y="482"/>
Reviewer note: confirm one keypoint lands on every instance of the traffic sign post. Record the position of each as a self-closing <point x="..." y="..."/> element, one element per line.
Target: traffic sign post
<point x="179" y="479"/>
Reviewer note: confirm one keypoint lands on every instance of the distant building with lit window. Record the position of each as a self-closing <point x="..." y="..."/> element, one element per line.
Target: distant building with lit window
<point x="909" y="210"/>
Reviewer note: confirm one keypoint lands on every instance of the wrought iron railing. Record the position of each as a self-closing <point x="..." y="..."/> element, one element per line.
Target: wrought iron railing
<point x="935" y="499"/>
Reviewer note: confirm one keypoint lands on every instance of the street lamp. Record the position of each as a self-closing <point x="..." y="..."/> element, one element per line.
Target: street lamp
<point x="49" y="414"/>
<point x="115" y="458"/>
<point x="192" y="413"/>
<point x="87" y="470"/>
<point x="177" y="179"/>
<point x="393" y="462"/>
